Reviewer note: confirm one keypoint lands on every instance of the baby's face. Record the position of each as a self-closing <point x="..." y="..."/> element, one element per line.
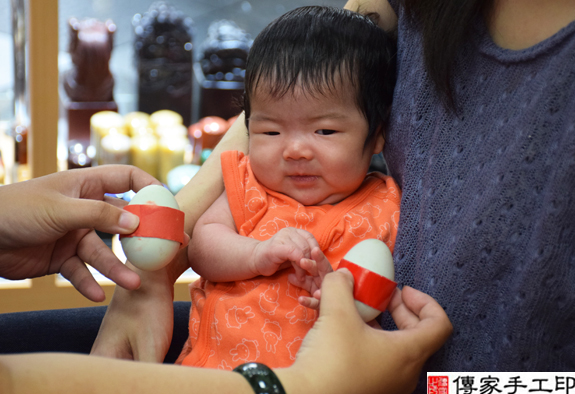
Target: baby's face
<point x="310" y="148"/>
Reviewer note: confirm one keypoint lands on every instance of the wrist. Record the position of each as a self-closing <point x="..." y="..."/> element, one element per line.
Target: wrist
<point x="157" y="283"/>
<point x="257" y="250"/>
<point x="296" y="381"/>
<point x="177" y="266"/>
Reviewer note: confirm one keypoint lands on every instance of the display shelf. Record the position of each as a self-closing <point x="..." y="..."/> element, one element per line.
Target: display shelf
<point x="15" y="284"/>
<point x="55" y="292"/>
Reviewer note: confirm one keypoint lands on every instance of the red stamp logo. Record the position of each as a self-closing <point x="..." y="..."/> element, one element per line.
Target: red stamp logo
<point x="437" y="385"/>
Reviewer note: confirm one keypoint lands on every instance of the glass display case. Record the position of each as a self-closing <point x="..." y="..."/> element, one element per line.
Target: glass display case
<point x="6" y="66"/>
<point x="49" y="58"/>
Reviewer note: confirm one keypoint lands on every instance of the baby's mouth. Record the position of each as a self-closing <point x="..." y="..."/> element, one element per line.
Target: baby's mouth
<point x="303" y="178"/>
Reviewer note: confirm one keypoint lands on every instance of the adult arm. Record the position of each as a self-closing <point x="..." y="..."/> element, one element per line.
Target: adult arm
<point x="121" y="334"/>
<point x="370" y="361"/>
<point x="47" y="226"/>
<point x="387" y="17"/>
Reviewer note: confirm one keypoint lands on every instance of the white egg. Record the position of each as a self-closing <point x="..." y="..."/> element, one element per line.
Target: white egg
<point x="146" y="253"/>
<point x="373" y="255"/>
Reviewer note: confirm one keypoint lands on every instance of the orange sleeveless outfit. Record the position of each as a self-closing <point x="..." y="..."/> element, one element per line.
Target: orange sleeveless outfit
<point x="260" y="319"/>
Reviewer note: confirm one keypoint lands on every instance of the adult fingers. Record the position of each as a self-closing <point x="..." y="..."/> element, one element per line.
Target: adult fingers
<point x="93" y="251"/>
<point x="419" y="315"/>
<point x="337" y="295"/>
<point x="339" y="328"/>
<point x="80" y="277"/>
<point x="338" y="318"/>
<point x="402" y="315"/>
<point x="117" y="202"/>
<point x="422" y="304"/>
<point x="434" y="326"/>
<point x="94" y="182"/>
<point x="75" y="214"/>
<point x="91" y="185"/>
<point x="375" y="360"/>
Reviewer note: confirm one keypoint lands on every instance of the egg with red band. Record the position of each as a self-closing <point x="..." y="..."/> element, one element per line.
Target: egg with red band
<point x="160" y="233"/>
<point x="371" y="265"/>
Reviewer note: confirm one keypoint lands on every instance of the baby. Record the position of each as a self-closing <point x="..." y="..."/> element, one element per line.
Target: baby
<point x="318" y="89"/>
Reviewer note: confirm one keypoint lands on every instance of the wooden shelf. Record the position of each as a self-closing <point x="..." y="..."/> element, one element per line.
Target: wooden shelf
<point x="43" y="86"/>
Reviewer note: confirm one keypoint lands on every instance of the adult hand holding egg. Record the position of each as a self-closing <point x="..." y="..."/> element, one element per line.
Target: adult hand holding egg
<point x="371" y="264"/>
<point x="49" y="222"/>
<point x="160" y="233"/>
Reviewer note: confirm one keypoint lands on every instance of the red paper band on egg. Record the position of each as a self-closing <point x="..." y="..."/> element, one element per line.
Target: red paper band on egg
<point x="370" y="288"/>
<point x="157" y="222"/>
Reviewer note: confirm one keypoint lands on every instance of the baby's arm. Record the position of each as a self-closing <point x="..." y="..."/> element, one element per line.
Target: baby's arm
<point x="309" y="275"/>
<point x="218" y="253"/>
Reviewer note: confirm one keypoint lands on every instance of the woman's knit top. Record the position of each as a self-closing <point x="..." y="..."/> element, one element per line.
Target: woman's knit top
<point x="487" y="222"/>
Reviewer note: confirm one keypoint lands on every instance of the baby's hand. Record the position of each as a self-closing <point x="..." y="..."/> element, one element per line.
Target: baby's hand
<point x="287" y="246"/>
<point x="309" y="274"/>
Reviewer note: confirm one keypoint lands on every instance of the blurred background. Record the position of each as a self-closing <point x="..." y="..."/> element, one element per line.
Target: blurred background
<point x="251" y="16"/>
<point x="149" y="83"/>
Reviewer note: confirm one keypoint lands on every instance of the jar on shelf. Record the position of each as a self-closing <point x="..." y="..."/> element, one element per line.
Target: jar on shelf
<point x="145" y="153"/>
<point x="173" y="148"/>
<point x="115" y="149"/>
<point x="101" y="124"/>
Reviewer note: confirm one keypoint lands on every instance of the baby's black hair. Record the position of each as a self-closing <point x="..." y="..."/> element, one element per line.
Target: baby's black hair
<point x="309" y="47"/>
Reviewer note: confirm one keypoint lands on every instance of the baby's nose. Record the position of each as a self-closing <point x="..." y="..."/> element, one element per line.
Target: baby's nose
<point x="298" y="149"/>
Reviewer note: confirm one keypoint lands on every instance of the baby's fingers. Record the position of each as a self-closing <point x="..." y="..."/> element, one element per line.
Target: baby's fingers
<point x="303" y="282"/>
<point x="322" y="264"/>
<point x="308" y="284"/>
<point x="310" y="266"/>
<point x="300" y="273"/>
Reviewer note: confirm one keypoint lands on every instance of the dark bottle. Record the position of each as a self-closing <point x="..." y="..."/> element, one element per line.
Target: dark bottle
<point x="221" y="70"/>
<point x="163" y="49"/>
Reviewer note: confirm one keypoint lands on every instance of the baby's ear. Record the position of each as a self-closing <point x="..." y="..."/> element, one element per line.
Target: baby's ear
<point x="379" y="141"/>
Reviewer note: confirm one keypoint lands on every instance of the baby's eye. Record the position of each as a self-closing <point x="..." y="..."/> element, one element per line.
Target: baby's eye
<point x="271" y="132"/>
<point x="326" y="132"/>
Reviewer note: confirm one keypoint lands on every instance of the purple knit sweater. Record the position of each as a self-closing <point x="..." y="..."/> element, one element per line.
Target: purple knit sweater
<point x="488" y="214"/>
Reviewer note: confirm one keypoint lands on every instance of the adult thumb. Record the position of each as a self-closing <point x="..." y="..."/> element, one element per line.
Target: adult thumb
<point x="337" y="294"/>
